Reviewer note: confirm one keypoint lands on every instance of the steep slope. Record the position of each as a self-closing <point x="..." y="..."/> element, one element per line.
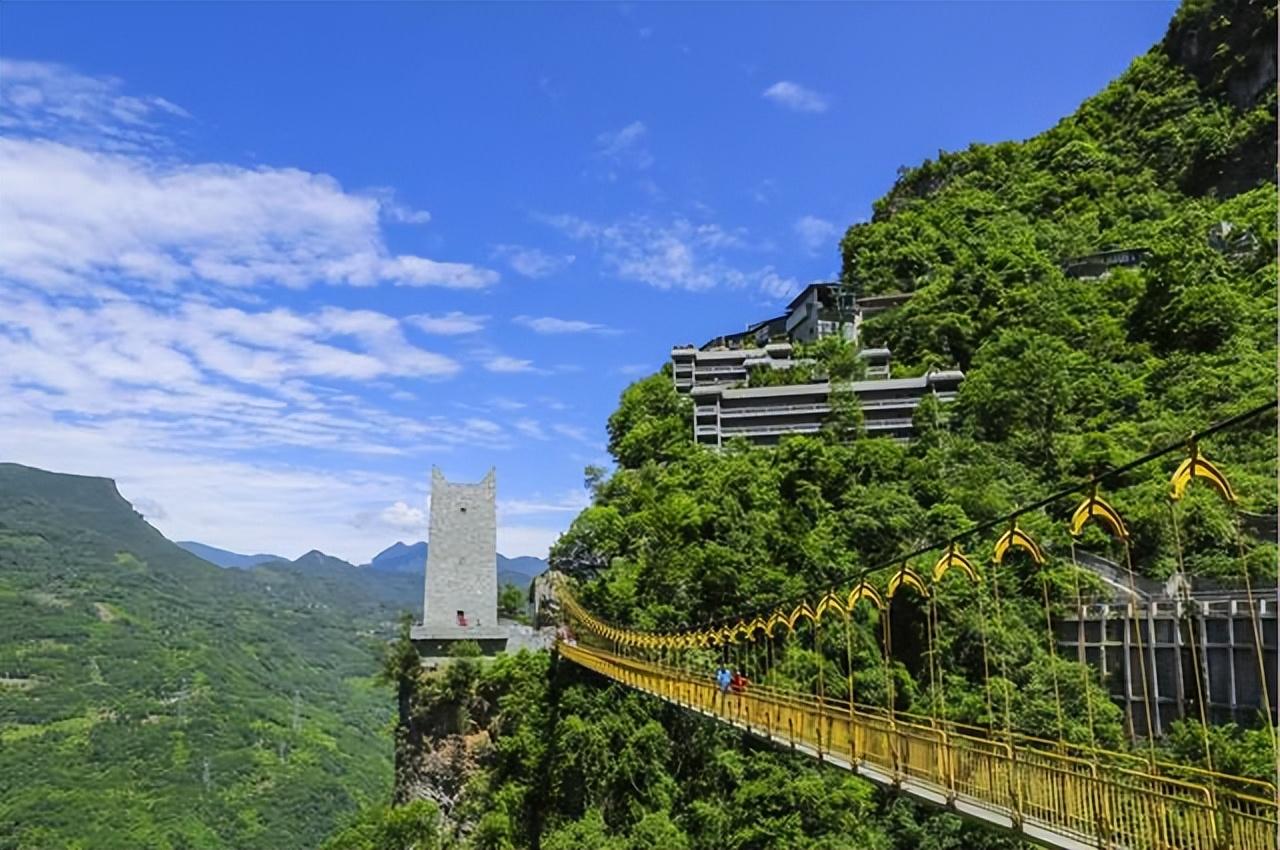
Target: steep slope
<point x="225" y="558"/>
<point x="1065" y="377"/>
<point x="151" y="699"/>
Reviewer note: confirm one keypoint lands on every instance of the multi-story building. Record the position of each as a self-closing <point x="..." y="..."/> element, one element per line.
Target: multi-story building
<point x="716" y="374"/>
<point x="695" y="367"/>
<point x="763" y="415"/>
<point x="820" y="310"/>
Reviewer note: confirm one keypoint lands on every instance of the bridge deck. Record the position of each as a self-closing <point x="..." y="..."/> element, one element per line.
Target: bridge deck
<point x="1052" y="798"/>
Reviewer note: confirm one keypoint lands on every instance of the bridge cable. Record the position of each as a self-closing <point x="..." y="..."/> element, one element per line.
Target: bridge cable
<point x="1053" y="653"/>
<point x="1257" y="632"/>
<point x="1184" y="595"/>
<point x="1006" y="686"/>
<point x="1083" y="655"/>
<point x="1142" y="655"/>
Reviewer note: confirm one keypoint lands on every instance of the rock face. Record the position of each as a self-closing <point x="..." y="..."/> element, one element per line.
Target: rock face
<point x="1229" y="47"/>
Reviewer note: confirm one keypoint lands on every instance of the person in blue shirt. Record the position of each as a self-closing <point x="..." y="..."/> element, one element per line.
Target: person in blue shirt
<point x="723" y="678"/>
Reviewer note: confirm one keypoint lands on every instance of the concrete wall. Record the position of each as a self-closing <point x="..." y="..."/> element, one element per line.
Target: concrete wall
<point x="462" y="572"/>
<point x="1211" y="640"/>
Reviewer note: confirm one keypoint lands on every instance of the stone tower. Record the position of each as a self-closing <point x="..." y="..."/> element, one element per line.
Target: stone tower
<point x="461" y="591"/>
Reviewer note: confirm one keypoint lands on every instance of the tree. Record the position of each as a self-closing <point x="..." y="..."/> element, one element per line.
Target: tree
<point x="511" y="602"/>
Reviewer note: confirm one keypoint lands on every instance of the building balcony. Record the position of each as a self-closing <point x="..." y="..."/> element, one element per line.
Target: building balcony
<point x="774" y="410"/>
<point x="771" y="430"/>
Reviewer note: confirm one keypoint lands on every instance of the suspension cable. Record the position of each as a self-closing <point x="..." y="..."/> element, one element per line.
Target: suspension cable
<point x="1184" y="597"/>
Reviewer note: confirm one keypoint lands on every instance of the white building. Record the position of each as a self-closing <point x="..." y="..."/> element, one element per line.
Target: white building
<point x="764" y="415"/>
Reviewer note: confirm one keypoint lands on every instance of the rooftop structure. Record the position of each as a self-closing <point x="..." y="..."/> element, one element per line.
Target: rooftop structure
<point x="820" y="310"/>
<point x="1097" y="265"/>
<point x="764" y="415"/>
<point x="698" y="367"/>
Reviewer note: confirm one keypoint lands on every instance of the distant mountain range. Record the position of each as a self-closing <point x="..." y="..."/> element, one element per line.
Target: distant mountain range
<point x="152" y="699"/>
<point x="224" y="558"/>
<point x="398" y="558"/>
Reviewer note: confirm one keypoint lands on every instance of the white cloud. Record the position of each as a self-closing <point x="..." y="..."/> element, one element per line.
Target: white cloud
<point x="795" y="97"/>
<point x="404" y="518"/>
<point x="70" y="215"/>
<point x="502" y="403"/>
<point x="242" y="506"/>
<point x="484" y="426"/>
<point x="208" y="380"/>
<point x="132" y="344"/>
<point x="551" y="325"/>
<point x="679" y="254"/>
<point x="526" y="540"/>
<point x="814" y="232"/>
<point x="531" y="428"/>
<point x="573" y="432"/>
<point x="777" y="287"/>
<point x="532" y="262"/>
<point x="449" y="324"/>
<point x="626" y="147"/>
<point x="571" y="502"/>
<point x="504" y="364"/>
<point x="48" y="99"/>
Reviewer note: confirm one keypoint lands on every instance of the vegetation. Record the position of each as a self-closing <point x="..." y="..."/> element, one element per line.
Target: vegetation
<point x="151" y="700"/>
<point x="1065" y="377"/>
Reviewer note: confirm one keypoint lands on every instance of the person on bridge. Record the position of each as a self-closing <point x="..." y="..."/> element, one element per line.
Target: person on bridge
<point x="723" y="678"/>
<point x="739" y="682"/>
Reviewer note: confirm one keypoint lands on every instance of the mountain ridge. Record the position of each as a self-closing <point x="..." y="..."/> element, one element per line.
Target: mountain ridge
<point x="154" y="699"/>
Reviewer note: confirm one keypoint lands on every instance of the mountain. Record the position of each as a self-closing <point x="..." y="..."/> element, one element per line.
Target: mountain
<point x="151" y="699"/>
<point x="1066" y="375"/>
<point x="317" y="560"/>
<point x="401" y="558"/>
<point x="225" y="558"/>
<point x="405" y="558"/>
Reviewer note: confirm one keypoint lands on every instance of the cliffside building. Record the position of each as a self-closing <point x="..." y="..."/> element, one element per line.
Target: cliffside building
<point x="764" y="415"/>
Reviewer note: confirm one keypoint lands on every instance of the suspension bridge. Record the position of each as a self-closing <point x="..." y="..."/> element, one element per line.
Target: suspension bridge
<point x="1061" y="791"/>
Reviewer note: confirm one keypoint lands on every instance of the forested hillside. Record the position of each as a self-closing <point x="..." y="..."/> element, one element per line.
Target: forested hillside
<point x="149" y="699"/>
<point x="1065" y="377"/>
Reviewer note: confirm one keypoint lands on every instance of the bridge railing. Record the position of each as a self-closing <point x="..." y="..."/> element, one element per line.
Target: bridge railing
<point x="1107" y="805"/>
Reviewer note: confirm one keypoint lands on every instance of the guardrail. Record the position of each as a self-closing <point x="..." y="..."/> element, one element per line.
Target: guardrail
<point x="1041" y="789"/>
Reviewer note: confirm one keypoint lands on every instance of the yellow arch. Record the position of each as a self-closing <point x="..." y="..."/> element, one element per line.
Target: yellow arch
<point x="1017" y="537"/>
<point x="864" y="591"/>
<point x="1196" y="466"/>
<point x="1094" y="507"/>
<point x="830" y="602"/>
<point x="953" y="558"/>
<point x="801" y="610"/>
<point x="907" y="577"/>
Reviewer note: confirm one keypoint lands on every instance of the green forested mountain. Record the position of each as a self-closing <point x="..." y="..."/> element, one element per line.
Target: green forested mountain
<point x="149" y="699"/>
<point x="1065" y="377"/>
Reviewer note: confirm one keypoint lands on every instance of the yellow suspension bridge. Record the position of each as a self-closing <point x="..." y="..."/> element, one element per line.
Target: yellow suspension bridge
<point x="1053" y="792"/>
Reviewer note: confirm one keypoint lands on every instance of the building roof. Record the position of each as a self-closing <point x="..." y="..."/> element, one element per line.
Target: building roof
<point x="804" y="292"/>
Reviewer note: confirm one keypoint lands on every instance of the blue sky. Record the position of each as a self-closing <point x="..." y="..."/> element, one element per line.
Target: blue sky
<point x="266" y="264"/>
